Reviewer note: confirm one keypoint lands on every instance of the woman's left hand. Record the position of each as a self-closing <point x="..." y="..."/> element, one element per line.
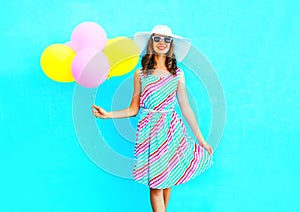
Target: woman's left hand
<point x="207" y="147"/>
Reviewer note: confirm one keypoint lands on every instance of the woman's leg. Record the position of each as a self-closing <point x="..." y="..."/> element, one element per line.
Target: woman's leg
<point x="157" y="200"/>
<point x="166" y="193"/>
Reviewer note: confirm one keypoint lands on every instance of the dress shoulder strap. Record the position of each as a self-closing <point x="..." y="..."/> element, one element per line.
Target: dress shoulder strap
<point x="178" y="70"/>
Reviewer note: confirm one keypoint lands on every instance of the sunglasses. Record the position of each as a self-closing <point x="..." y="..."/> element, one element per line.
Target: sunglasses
<point x="159" y="38"/>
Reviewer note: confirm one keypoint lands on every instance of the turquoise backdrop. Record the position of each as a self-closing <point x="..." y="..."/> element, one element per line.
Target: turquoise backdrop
<point x="254" y="48"/>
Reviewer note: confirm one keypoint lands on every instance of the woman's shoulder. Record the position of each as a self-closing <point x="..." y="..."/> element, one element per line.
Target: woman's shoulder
<point x="140" y="72"/>
<point x="179" y="70"/>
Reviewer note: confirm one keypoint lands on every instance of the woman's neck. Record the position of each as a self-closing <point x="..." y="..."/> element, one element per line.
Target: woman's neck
<point x="160" y="61"/>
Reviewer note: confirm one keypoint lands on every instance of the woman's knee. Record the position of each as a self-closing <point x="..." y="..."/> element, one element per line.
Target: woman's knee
<point x="156" y="191"/>
<point x="166" y="189"/>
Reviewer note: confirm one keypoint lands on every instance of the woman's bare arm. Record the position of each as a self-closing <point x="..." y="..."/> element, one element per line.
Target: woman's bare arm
<point x="186" y="110"/>
<point x="188" y="113"/>
<point x="132" y="110"/>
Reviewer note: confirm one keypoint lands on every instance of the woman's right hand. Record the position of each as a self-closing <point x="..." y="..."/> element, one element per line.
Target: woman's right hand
<point x="100" y="112"/>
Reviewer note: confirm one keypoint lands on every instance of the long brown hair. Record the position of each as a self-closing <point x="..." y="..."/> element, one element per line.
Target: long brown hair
<point x="148" y="62"/>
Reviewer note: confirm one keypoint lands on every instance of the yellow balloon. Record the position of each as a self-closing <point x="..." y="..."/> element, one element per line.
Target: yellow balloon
<point x="123" y="55"/>
<point x="56" y="62"/>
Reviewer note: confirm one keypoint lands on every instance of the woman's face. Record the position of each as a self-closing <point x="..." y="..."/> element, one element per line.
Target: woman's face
<point x="161" y="43"/>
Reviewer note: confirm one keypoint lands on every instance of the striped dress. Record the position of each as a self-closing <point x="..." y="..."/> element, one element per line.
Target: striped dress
<point x="164" y="154"/>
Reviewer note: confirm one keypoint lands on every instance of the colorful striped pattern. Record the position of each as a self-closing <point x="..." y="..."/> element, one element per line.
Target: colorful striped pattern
<point x="165" y="155"/>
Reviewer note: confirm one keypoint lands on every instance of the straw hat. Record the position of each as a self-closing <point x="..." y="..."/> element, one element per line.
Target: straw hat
<point x="181" y="44"/>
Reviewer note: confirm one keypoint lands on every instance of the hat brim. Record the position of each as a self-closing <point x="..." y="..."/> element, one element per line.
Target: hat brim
<point x="181" y="45"/>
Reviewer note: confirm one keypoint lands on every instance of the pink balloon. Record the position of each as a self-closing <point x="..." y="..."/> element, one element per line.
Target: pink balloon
<point x="88" y="35"/>
<point x="90" y="67"/>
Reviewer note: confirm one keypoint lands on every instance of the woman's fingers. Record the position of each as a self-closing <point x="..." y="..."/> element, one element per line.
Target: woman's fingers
<point x="96" y="114"/>
<point x="210" y="150"/>
<point x="96" y="108"/>
<point x="98" y="111"/>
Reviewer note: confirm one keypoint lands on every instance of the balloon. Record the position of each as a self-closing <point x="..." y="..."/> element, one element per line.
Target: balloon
<point x="88" y="35"/>
<point x="90" y="67"/>
<point x="123" y="55"/>
<point x="69" y="43"/>
<point x="56" y="61"/>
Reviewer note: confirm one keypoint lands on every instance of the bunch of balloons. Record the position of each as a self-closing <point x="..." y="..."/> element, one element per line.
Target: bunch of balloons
<point x="89" y="58"/>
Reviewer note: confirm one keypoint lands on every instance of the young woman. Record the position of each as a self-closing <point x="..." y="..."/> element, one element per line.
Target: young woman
<point x="165" y="155"/>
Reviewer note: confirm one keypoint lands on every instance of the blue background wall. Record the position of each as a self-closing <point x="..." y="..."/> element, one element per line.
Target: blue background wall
<point x="254" y="48"/>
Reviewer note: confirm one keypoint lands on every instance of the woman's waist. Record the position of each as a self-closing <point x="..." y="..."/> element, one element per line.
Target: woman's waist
<point x="165" y="110"/>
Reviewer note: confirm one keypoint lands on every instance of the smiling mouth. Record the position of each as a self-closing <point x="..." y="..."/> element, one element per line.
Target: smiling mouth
<point x="161" y="47"/>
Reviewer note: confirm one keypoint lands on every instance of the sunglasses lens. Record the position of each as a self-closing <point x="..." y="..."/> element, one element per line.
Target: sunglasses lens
<point x="156" y="38"/>
<point x="168" y="40"/>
